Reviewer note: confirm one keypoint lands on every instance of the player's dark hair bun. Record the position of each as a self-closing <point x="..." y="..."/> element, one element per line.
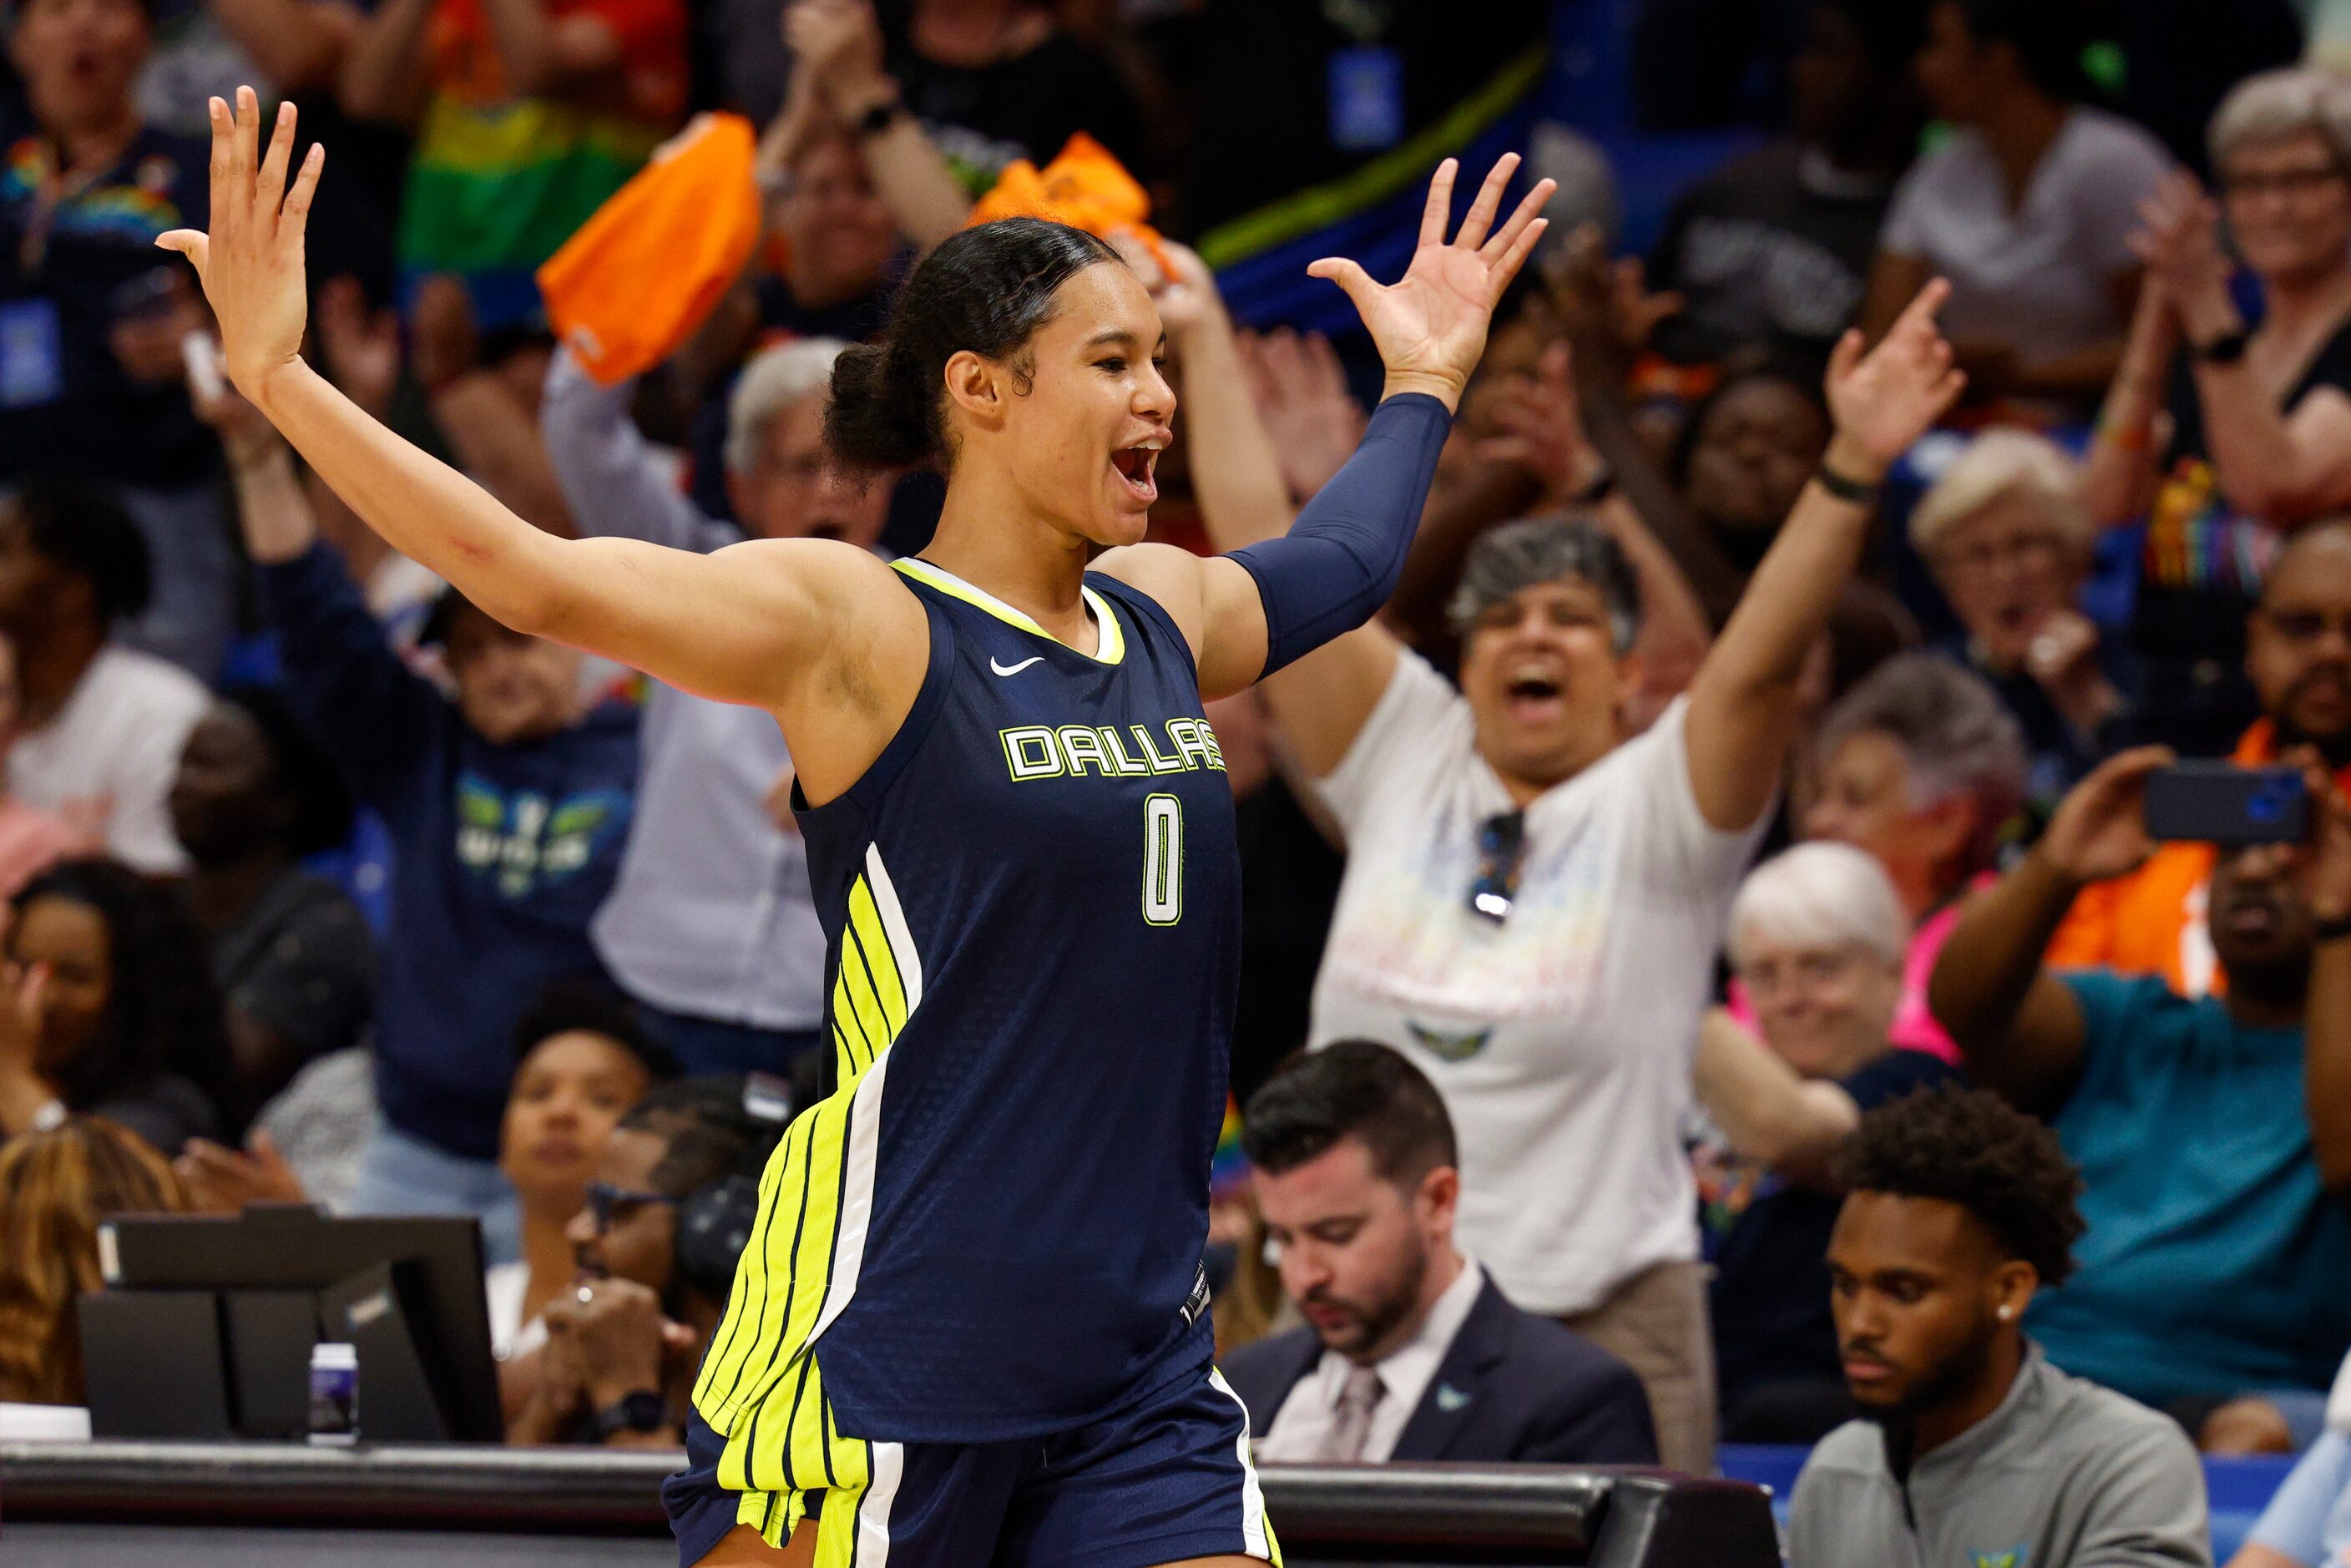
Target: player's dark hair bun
<point x="985" y="289"/>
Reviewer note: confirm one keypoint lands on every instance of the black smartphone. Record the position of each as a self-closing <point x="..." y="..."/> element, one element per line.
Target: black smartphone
<point x="2222" y="803"/>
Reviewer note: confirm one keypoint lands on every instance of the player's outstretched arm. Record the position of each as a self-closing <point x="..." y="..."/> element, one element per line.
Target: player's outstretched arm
<point x="744" y="625"/>
<point x="1275" y="602"/>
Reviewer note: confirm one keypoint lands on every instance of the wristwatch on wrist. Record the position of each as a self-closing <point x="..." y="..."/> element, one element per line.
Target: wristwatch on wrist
<point x="642" y="1411"/>
<point x="1845" y="486"/>
<point x="2225" y="349"/>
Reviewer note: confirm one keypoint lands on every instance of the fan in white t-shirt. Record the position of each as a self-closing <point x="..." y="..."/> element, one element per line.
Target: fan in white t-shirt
<point x="1534" y="902"/>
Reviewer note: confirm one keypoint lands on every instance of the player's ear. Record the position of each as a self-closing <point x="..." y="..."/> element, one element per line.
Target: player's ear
<point x="975" y="385"/>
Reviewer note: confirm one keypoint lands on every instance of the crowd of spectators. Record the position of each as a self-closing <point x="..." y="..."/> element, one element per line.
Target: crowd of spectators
<point x="1700" y="914"/>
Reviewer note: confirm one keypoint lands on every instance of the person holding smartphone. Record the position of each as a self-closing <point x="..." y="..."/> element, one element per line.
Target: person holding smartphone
<point x="2213" y="1134"/>
<point x="2153" y="921"/>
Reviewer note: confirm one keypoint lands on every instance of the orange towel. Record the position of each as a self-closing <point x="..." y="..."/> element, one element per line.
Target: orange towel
<point x="644" y="271"/>
<point x="1084" y="186"/>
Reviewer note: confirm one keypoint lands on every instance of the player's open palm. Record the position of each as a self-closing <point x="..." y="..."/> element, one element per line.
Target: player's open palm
<point x="1431" y="322"/>
<point x="2099" y="830"/>
<point x="250" y="259"/>
<point x="1887" y="398"/>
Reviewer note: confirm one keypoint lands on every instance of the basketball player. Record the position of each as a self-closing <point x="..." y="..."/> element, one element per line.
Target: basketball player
<point x="969" y="1328"/>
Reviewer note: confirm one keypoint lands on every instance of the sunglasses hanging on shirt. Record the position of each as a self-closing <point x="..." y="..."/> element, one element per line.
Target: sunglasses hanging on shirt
<point x="1501" y="848"/>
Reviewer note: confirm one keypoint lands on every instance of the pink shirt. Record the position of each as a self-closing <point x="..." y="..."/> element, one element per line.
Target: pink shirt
<point x="32" y="840"/>
<point x="1915" y="1027"/>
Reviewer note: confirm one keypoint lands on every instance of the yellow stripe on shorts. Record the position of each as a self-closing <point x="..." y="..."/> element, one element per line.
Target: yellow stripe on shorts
<point x="760" y="1387"/>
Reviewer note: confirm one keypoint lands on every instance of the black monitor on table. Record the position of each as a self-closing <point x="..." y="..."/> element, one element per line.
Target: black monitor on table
<point x="207" y="1324"/>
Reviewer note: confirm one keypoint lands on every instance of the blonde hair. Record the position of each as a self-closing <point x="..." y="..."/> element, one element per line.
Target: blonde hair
<point x="2276" y="105"/>
<point x="1820" y="896"/>
<point x="1998" y="463"/>
<point x="1250" y="1306"/>
<point x="55" y="1188"/>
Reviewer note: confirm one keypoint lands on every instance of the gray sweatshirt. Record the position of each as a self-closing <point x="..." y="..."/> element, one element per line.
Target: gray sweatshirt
<point x="2065" y="1474"/>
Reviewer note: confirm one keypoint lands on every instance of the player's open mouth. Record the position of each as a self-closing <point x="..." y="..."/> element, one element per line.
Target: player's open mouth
<point x="1134" y="464"/>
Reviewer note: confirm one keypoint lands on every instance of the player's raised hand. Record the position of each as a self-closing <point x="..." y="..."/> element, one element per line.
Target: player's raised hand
<point x="1430" y="324"/>
<point x="1884" y="400"/>
<point x="250" y="259"/>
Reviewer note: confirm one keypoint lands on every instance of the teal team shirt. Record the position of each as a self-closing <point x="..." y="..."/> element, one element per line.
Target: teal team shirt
<point x="2215" y="1262"/>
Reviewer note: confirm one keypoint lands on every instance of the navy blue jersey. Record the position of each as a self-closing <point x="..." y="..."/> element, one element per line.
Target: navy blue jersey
<point x="992" y="1227"/>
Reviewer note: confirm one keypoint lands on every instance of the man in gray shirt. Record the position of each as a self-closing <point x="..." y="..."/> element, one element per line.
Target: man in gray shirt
<point x="1972" y="1451"/>
<point x="711" y="926"/>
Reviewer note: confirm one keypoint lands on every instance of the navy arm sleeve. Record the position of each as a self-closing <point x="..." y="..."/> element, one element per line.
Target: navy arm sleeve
<point x="1342" y="557"/>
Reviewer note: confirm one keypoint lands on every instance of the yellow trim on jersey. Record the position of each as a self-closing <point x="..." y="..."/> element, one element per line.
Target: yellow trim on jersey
<point x="760" y="1387"/>
<point x="858" y="1477"/>
<point x="1111" y="635"/>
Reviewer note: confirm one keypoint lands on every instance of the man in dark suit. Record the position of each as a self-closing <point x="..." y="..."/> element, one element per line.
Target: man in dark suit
<point x="1411" y="1351"/>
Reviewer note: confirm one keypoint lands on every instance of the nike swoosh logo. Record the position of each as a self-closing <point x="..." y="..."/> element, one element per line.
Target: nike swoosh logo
<point x="1016" y="669"/>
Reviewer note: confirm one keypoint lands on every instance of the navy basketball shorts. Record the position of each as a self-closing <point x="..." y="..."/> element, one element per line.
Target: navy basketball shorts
<point x="1168" y="1478"/>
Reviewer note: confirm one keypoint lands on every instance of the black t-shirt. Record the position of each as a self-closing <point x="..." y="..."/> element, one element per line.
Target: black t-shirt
<point x="302" y="965"/>
<point x="2058" y="755"/>
<point x="65" y="274"/>
<point x="2200" y="569"/>
<point x="1767" y="1240"/>
<point x="356" y="206"/>
<point x="984" y="116"/>
<point x="856" y="320"/>
<point x="1290" y="884"/>
<point x="1774" y="247"/>
<point x="166" y="1110"/>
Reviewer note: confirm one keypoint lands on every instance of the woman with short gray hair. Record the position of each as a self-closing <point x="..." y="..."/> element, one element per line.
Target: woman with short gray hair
<point x="1816" y="935"/>
<point x="2247" y="435"/>
<point x="1921" y="767"/>
<point x="2005" y="535"/>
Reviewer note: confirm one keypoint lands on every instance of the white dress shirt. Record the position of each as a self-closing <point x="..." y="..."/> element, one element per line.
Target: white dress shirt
<point x="1300" y="1430"/>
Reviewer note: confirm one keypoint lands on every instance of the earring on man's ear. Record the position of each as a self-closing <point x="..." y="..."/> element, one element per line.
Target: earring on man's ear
<point x="2006" y="1314"/>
